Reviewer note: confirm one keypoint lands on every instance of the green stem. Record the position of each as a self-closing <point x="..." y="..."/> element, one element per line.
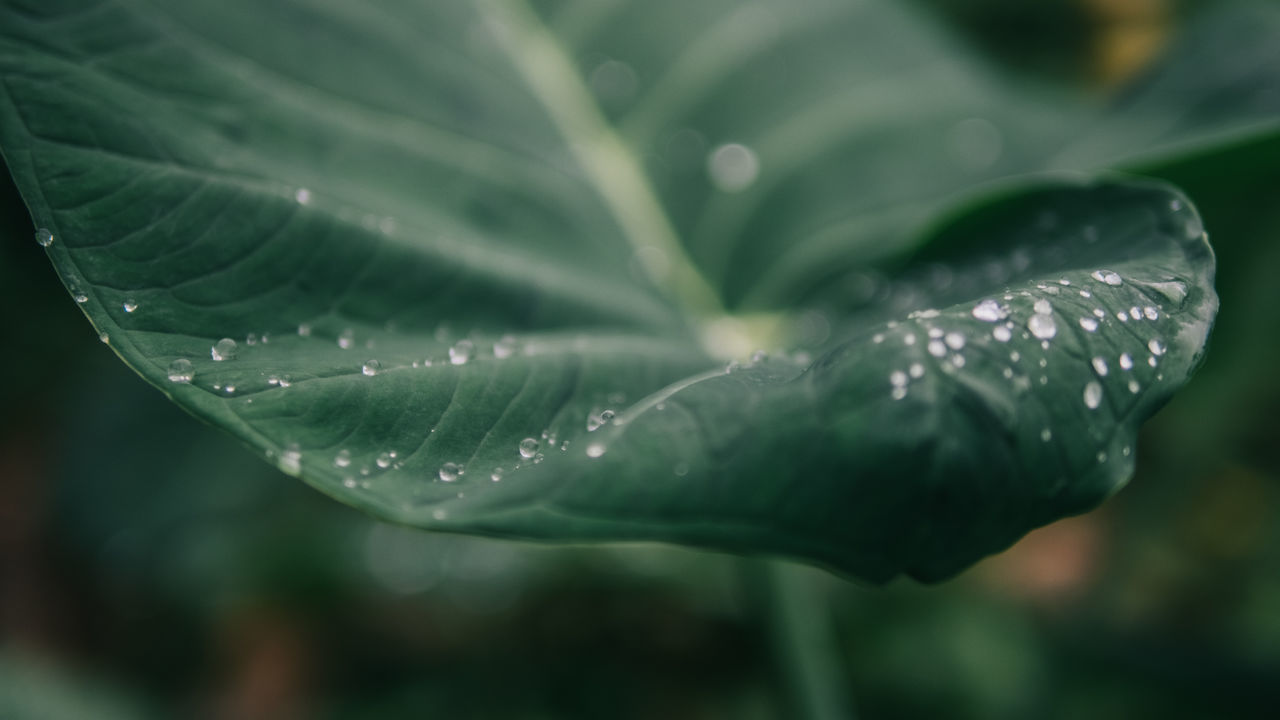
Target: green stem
<point x="803" y="640"/>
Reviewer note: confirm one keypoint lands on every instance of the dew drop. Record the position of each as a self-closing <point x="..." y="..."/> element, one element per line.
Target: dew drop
<point x="224" y="349"/>
<point x="449" y="472"/>
<point x="909" y="339"/>
<point x="504" y="347"/>
<point x="1102" y="457"/>
<point x="528" y="447"/>
<point x="384" y="460"/>
<point x="916" y="370"/>
<point x="1151" y="313"/>
<point x="1134" y="387"/>
<point x="1122" y="316"/>
<point x="346" y="339"/>
<point x="1002" y="333"/>
<point x="302" y="196"/>
<point x="342" y="459"/>
<point x="181" y="371"/>
<point x="371" y="367"/>
<point x="955" y="341"/>
<point x="1126" y="361"/>
<point x="989" y="311"/>
<point x="1100" y="366"/>
<point x="897" y="378"/>
<point x="1046" y="435"/>
<point x="1156" y="347"/>
<point x="1092" y="395"/>
<point x="130" y="306"/>
<point x="1099" y="313"/>
<point x="1135" y="312"/>
<point x="1042" y="326"/>
<point x="497" y="474"/>
<point x="595" y="450"/>
<point x="1152" y="361"/>
<point x="291" y="460"/>
<point x="304" y="330"/>
<point x="104" y="338"/>
<point x="1089" y="324"/>
<point x="937" y="348"/>
<point x="1108" y="277"/>
<point x="44" y="237"/>
<point x="1042" y="307"/>
<point x="460" y="353"/>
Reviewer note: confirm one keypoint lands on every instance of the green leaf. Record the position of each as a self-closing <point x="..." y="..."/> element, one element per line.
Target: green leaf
<point x="418" y="257"/>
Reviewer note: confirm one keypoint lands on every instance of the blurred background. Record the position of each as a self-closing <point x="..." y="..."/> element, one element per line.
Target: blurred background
<point x="149" y="567"/>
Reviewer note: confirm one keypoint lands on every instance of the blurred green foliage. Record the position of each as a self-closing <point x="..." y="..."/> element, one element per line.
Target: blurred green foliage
<point x="148" y="565"/>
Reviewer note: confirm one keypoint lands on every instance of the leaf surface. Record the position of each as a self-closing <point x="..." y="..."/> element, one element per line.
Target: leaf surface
<point x="460" y="266"/>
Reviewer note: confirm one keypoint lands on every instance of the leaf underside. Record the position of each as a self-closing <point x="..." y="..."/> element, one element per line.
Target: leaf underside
<point x="462" y="276"/>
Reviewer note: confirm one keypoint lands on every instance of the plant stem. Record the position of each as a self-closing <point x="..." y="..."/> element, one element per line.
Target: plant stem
<point x="803" y="640"/>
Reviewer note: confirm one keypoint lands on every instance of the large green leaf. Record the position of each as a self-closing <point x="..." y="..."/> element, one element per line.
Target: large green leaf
<point x="475" y="257"/>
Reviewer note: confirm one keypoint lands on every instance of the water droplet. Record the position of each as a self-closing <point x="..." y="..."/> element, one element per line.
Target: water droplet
<point x="371" y="367"/>
<point x="449" y="472"/>
<point x="384" y="459"/>
<point x="104" y="338"/>
<point x="1089" y="324"/>
<point x="1086" y="294"/>
<point x="1151" y="313"/>
<point x="1002" y="333"/>
<point x="989" y="311"/>
<point x="909" y="339"/>
<point x="1042" y="326"/>
<point x="1122" y="316"/>
<point x="1126" y="361"/>
<point x="1046" y="435"/>
<point x="291" y="460"/>
<point x="897" y="378"/>
<point x="304" y="330"/>
<point x="1156" y="347"/>
<point x="877" y="338"/>
<point x="1102" y="457"/>
<point x="342" y="459"/>
<point x="957" y="360"/>
<point x="1152" y="361"/>
<point x="504" y="347"/>
<point x="1042" y="307"/>
<point x="937" y="348"/>
<point x="1092" y="395"/>
<point x="916" y="370"/>
<point x="954" y="340"/>
<point x="528" y="447"/>
<point x="1135" y="313"/>
<point x="936" y="332"/>
<point x="230" y="389"/>
<point x="898" y="393"/>
<point x="1134" y="387"/>
<point x="733" y="167"/>
<point x="1015" y="356"/>
<point x="595" y="450"/>
<point x="130" y="306"/>
<point x="1099" y="313"/>
<point x="1108" y="277"/>
<point x="346" y="338"/>
<point x="461" y="351"/>
<point x="181" y="371"/>
<point x="44" y="237"/>
<point x="1100" y="366"/>
<point x="1126" y="450"/>
<point x="348" y="482"/>
<point x="224" y="349"/>
<point x="680" y="469"/>
<point x="302" y="196"/>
